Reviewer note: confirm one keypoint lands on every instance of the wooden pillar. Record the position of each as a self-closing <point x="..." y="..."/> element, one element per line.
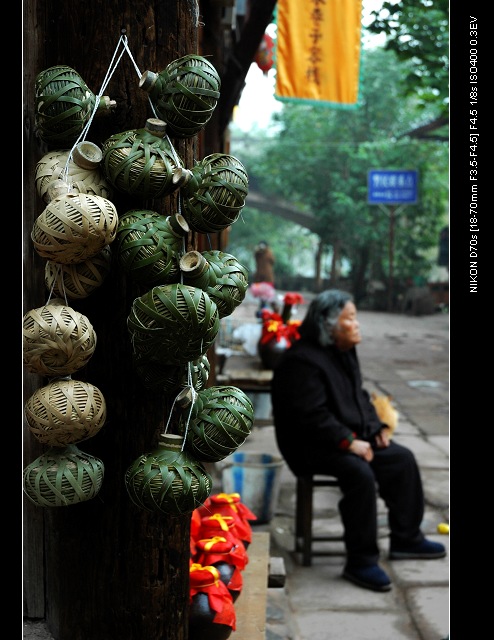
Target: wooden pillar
<point x="104" y="568"/>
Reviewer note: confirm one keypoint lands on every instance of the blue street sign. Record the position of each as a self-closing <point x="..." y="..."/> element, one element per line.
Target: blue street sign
<point x="392" y="186"/>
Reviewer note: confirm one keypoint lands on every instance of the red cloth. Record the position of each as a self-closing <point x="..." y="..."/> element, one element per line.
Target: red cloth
<point x="206" y="580"/>
<point x="229" y="504"/>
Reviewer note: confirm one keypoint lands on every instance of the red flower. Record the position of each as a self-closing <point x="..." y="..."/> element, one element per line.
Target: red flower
<point x="292" y="298"/>
<point x="273" y="328"/>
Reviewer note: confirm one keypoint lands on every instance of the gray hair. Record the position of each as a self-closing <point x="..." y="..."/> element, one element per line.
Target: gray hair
<point x="322" y="316"/>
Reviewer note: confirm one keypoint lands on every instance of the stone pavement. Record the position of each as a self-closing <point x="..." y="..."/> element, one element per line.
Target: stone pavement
<point x="407" y="357"/>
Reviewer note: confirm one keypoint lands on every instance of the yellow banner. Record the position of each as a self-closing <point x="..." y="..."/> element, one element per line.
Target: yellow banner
<point x="318" y="51"/>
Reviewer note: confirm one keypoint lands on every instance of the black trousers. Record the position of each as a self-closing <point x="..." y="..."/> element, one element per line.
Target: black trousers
<point x="394" y="475"/>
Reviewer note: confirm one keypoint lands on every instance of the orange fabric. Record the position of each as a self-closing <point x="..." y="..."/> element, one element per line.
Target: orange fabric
<point x="318" y="51"/>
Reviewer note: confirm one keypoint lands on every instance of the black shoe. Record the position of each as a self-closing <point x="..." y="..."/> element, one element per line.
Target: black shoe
<point x="425" y="550"/>
<point x="369" y="577"/>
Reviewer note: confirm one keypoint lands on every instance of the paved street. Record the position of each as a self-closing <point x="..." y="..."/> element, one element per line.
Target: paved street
<point x="407" y="357"/>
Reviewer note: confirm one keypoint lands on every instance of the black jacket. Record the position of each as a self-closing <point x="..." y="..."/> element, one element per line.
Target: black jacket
<point x="318" y="401"/>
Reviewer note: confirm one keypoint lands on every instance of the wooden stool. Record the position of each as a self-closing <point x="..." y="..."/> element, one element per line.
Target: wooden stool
<point x="303" y="517"/>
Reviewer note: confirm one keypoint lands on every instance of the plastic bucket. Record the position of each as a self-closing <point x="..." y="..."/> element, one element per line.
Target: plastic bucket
<point x="256" y="477"/>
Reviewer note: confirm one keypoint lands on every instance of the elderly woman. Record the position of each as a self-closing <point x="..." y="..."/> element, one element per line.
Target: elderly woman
<point x="326" y="423"/>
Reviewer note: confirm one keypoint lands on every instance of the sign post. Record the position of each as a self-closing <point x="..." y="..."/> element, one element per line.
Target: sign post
<point x="392" y="187"/>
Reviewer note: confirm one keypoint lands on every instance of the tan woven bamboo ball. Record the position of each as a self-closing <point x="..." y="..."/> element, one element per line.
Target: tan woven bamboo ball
<point x="78" y="280"/>
<point x="74" y="227"/>
<point x="56" y="165"/>
<point x="65" y="411"/>
<point x="57" y="340"/>
<point x="61" y="477"/>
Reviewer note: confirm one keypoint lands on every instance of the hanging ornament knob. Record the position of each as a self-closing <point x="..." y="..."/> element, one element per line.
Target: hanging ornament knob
<point x="168" y="480"/>
<point x="195" y="270"/>
<point x="74" y="227"/>
<point x="87" y="155"/>
<point x="184" y="94"/>
<point x="63" y="476"/>
<point x="148" y="246"/>
<point x="59" y="173"/>
<point x="141" y="162"/>
<point x="64" y="105"/>
<point x="214" y="192"/>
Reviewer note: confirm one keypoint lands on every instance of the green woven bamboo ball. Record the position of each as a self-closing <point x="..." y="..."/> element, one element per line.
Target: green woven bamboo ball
<point x="64" y="104"/>
<point x="148" y="246"/>
<point x="141" y="162"/>
<point x="214" y="192"/>
<point x="173" y="324"/>
<point x="220" y="421"/>
<point x="62" y="477"/>
<point x="184" y="94"/>
<point x="230" y="283"/>
<point x="167" y="480"/>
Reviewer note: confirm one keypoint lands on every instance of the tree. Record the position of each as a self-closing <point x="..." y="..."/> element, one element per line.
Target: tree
<point x="418" y="33"/>
<point x="319" y="162"/>
<point x="105" y="568"/>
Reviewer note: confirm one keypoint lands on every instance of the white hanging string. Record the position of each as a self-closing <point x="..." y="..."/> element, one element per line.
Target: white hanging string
<point x="194" y="395"/>
<point x="123" y="41"/>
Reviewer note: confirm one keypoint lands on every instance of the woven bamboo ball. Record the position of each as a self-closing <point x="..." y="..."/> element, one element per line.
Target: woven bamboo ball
<point x="65" y="411"/>
<point x="220" y="421"/>
<point x="148" y="246"/>
<point x="174" y="323"/>
<point x="168" y="480"/>
<point x="141" y="162"/>
<point x="228" y="281"/>
<point x="56" y="165"/>
<point x="214" y="192"/>
<point x="57" y="340"/>
<point x="61" y="477"/>
<point x="64" y="104"/>
<point x="74" y="227"/>
<point x="78" y="281"/>
<point x="184" y="94"/>
<point x="172" y="378"/>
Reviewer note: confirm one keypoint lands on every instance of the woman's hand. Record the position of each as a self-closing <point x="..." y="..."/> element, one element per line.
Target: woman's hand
<point x="382" y="438"/>
<point x="362" y="449"/>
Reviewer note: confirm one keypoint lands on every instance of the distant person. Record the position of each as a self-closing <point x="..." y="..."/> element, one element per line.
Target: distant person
<point x="325" y="423"/>
<point x="264" y="263"/>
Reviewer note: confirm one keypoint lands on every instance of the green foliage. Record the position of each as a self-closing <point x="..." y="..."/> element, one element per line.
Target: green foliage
<point x="319" y="162"/>
<point x="290" y="243"/>
<point x="417" y="31"/>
